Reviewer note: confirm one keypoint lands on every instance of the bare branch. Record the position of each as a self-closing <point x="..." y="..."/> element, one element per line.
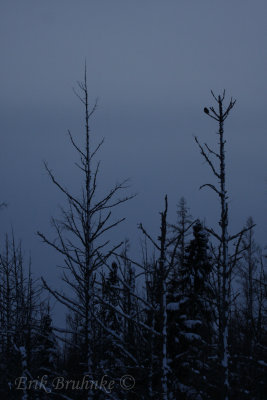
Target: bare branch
<point x="207" y="158"/>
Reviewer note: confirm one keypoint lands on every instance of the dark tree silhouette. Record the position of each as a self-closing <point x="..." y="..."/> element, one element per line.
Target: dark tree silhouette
<point x="81" y="235"/>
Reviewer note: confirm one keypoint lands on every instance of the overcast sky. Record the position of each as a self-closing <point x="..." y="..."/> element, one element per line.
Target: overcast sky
<point x="151" y="64"/>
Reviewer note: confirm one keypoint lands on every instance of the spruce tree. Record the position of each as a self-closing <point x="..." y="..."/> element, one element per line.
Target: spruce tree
<point x="190" y="319"/>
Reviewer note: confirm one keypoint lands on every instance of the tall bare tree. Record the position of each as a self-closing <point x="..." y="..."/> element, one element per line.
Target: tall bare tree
<point x="163" y="266"/>
<point x="220" y="115"/>
<point x="82" y="234"/>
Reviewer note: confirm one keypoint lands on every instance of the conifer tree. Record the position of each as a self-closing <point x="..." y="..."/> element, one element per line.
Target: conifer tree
<point x="46" y="351"/>
<point x="190" y="320"/>
<point x="113" y="321"/>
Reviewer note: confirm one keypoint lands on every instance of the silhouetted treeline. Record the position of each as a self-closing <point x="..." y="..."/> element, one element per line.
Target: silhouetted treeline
<point x="185" y="318"/>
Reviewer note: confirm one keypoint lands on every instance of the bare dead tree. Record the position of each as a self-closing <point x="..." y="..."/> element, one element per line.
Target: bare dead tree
<point x="162" y="262"/>
<point x="220" y="115"/>
<point x="19" y="312"/>
<point x="164" y="265"/>
<point x="81" y="233"/>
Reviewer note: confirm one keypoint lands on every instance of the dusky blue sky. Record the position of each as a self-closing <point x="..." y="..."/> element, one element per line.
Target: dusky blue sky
<point x="152" y="64"/>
